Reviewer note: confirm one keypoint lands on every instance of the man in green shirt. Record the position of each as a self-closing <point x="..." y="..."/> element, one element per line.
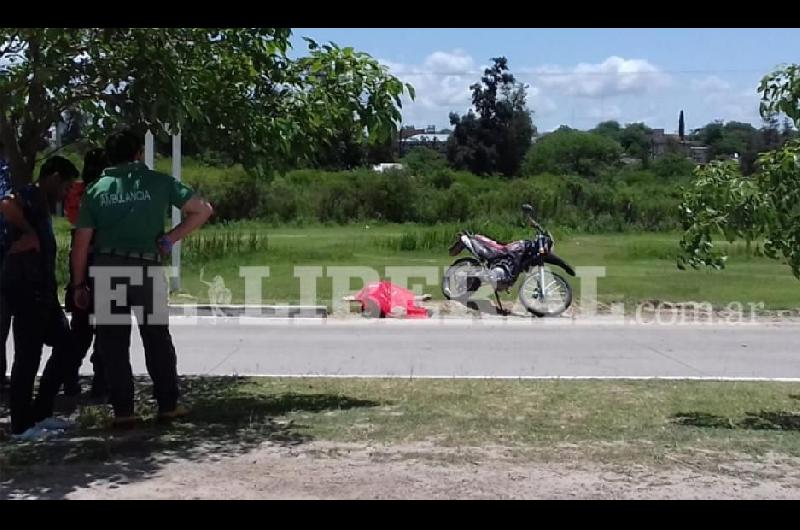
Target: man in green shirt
<point x="125" y="212"/>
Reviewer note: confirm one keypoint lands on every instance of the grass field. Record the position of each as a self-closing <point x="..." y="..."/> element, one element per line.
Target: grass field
<point x="609" y="421"/>
<point x="639" y="266"/>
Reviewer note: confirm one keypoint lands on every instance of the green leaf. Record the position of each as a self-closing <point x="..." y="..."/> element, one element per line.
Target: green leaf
<point x="226" y="85"/>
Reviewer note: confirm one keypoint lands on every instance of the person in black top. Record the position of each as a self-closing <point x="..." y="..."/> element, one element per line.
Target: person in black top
<point x="5" y="317"/>
<point x="29" y="286"/>
<point x="83" y="332"/>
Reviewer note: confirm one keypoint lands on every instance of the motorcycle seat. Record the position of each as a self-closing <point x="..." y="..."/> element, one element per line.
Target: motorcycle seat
<point x="491" y="243"/>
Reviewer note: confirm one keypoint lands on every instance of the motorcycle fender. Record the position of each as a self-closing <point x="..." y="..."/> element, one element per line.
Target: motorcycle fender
<point x="467" y="243"/>
<point x="555" y="260"/>
<point x="456" y="247"/>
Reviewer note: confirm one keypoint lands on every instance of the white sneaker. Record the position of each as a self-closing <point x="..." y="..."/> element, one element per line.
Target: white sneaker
<point x="55" y="424"/>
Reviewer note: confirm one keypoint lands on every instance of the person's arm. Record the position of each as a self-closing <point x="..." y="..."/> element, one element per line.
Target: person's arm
<point x="196" y="212"/>
<point x="80" y="255"/>
<point x="79" y="260"/>
<point x="14" y="215"/>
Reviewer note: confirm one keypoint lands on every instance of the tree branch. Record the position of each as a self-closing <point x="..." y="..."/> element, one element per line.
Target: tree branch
<point x="56" y="150"/>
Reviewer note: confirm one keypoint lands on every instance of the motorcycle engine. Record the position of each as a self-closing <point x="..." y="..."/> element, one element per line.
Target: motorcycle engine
<point x="501" y="273"/>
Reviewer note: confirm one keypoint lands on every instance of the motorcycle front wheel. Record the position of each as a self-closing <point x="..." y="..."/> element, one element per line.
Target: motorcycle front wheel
<point x="549" y="300"/>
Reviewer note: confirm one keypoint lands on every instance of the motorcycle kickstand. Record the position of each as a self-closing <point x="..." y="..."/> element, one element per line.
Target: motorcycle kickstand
<point x="500" y="309"/>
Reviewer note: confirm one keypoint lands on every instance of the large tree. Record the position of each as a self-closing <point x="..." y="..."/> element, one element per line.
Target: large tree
<point x="571" y="152"/>
<point x="729" y="138"/>
<point x="726" y="139"/>
<point x="235" y="88"/>
<point x="763" y="206"/>
<point x="495" y="139"/>
<point x="771" y="137"/>
<point x="635" y="139"/>
<point x="610" y="129"/>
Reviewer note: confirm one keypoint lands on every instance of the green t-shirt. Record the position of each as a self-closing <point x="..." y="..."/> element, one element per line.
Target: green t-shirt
<point x="127" y="207"/>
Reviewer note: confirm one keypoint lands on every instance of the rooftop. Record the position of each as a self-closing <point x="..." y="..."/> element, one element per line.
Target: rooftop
<point x="427" y="137"/>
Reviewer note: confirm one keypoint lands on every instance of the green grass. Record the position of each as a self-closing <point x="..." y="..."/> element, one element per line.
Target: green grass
<point x="622" y="421"/>
<point x="660" y="416"/>
<point x="638" y="266"/>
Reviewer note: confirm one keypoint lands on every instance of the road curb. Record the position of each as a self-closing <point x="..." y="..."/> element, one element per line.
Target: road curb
<point x="254" y="311"/>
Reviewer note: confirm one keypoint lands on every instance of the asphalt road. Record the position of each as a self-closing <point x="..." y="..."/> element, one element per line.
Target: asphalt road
<point x="482" y="348"/>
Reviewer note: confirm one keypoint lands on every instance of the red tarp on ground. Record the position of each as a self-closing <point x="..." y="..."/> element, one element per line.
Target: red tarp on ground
<point x="392" y="301"/>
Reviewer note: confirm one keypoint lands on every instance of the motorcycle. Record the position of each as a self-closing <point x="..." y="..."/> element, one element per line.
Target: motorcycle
<point x="499" y="265"/>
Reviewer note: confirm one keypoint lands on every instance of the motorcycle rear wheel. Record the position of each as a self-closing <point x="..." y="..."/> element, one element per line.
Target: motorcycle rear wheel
<point x="461" y="279"/>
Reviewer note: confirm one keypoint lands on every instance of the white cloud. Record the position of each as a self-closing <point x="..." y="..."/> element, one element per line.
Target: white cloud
<point x="442" y="82"/>
<point x="739" y="111"/>
<point x="612" y="77"/>
<point x="457" y="61"/>
<point x="539" y="103"/>
<point x="604" y="113"/>
<point x="733" y="105"/>
<point x="542" y="106"/>
<point x="710" y="83"/>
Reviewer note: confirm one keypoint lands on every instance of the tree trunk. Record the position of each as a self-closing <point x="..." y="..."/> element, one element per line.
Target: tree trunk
<point x="22" y="140"/>
<point x="21" y="161"/>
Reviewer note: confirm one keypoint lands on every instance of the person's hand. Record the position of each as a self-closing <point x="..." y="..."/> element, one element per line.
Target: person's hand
<point x="165" y="245"/>
<point x="25" y="243"/>
<point x="80" y="297"/>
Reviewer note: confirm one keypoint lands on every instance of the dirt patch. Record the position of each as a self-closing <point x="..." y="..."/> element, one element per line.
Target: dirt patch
<point x="322" y="470"/>
<point x="453" y="309"/>
<point x="648" y="311"/>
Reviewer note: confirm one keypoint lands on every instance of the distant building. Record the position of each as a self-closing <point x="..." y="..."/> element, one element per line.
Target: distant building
<point x="662" y="143"/>
<point x="431" y="140"/>
<point x="380" y="168"/>
<point x="631" y="161"/>
<point x="408" y="132"/>
<point x="700" y="154"/>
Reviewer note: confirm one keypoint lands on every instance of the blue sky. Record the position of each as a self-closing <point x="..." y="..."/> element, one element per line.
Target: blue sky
<point x="579" y="77"/>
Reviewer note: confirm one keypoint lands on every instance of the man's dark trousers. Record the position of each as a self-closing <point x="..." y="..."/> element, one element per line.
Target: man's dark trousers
<point x="113" y="339"/>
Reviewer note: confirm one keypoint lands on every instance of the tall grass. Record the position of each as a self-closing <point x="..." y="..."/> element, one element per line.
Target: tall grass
<point x="627" y="200"/>
<point x="206" y="246"/>
<point x="439" y="237"/>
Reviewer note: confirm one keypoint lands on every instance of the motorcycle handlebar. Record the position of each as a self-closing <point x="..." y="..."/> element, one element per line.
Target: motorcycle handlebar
<point x="535" y="224"/>
<point x="528" y="210"/>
